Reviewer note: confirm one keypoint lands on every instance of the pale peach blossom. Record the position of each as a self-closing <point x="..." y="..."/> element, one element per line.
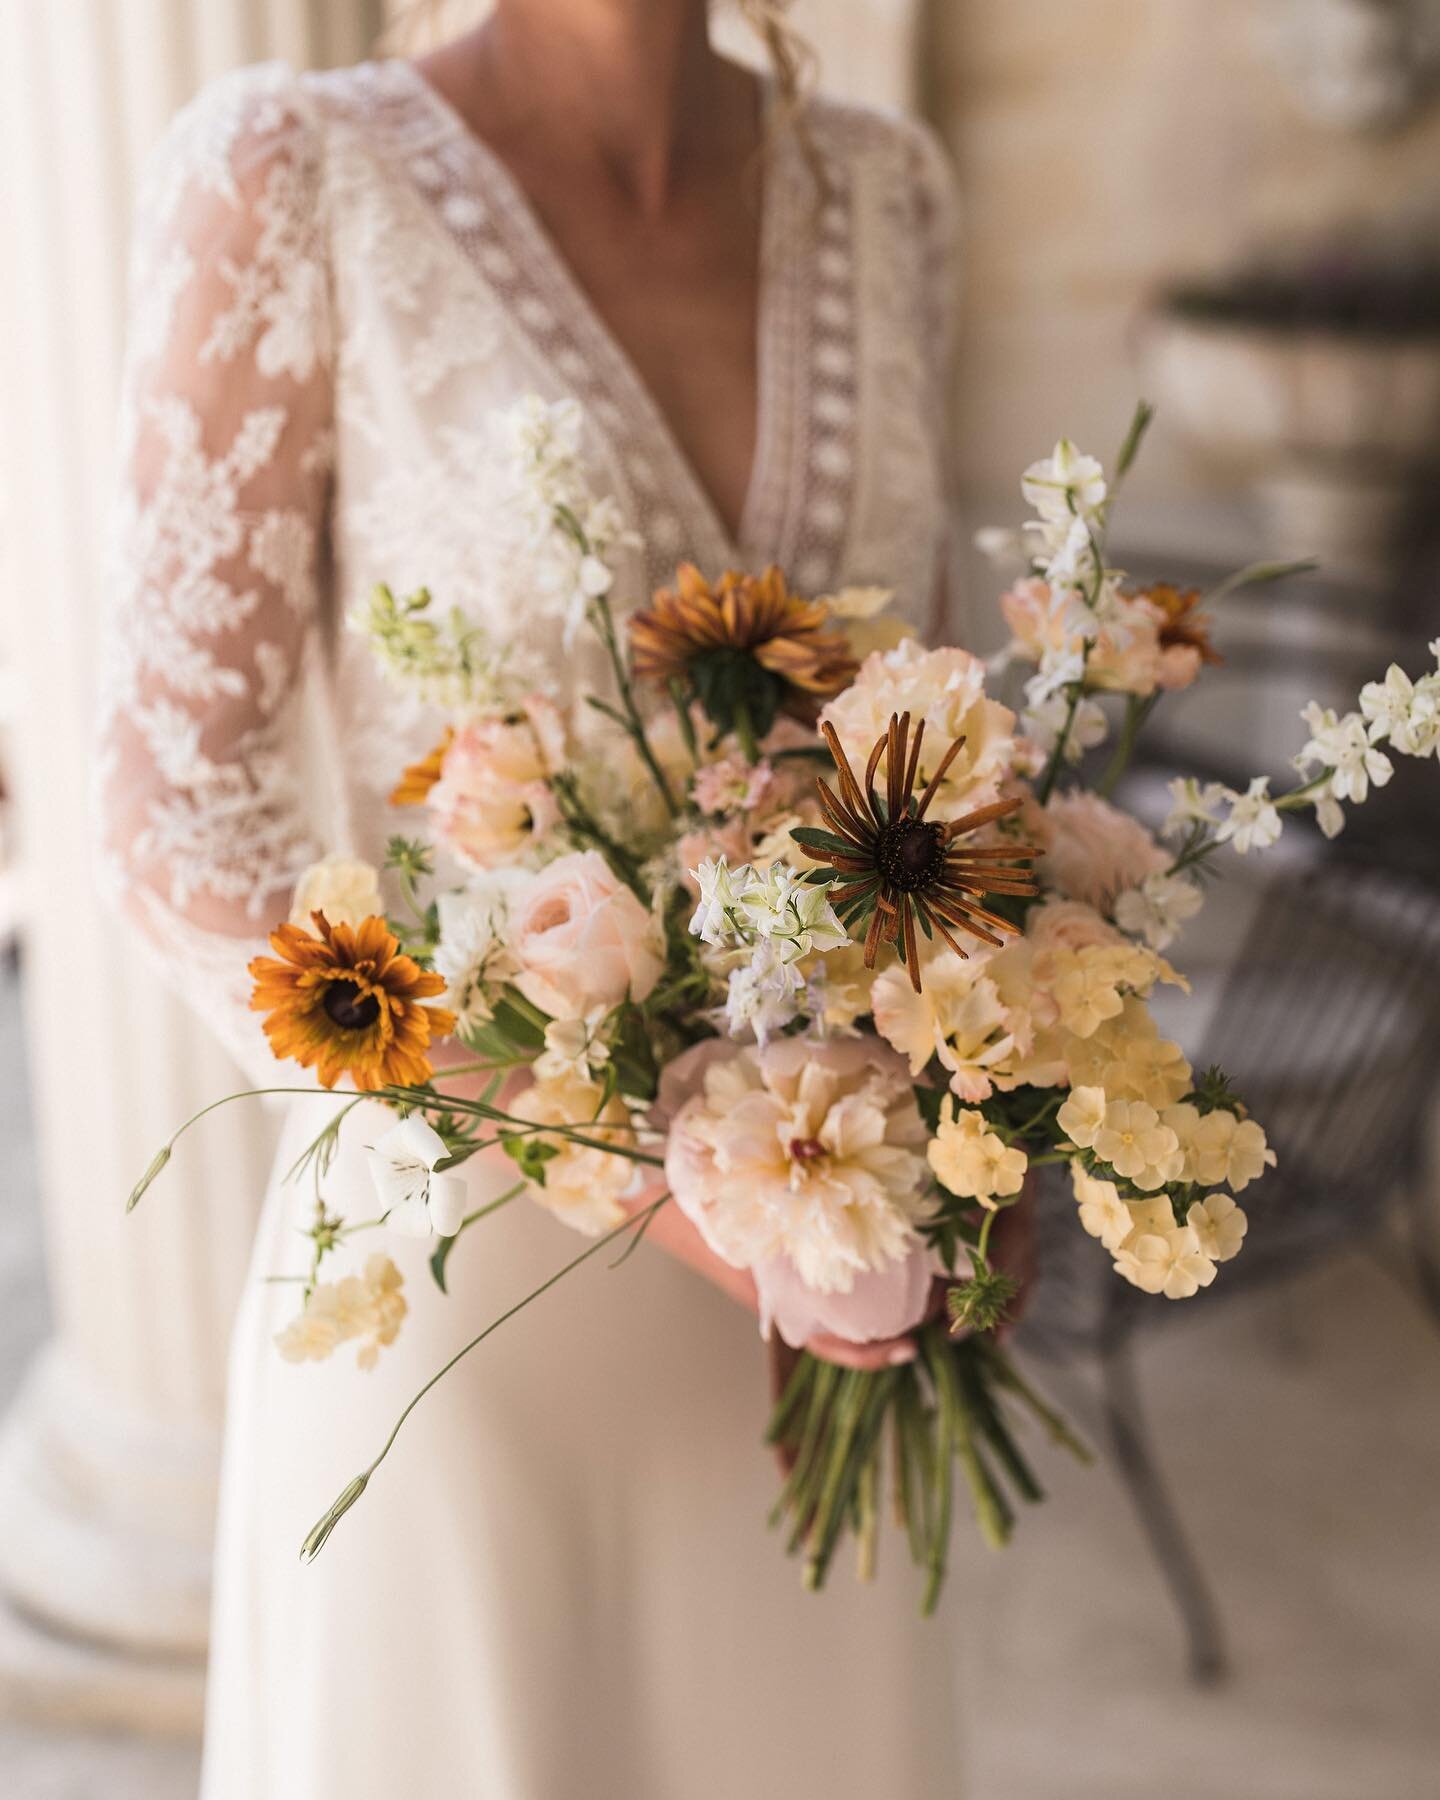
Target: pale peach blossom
<point x="1067" y="925"/>
<point x="492" y="803"/>
<point x="1092" y="851"/>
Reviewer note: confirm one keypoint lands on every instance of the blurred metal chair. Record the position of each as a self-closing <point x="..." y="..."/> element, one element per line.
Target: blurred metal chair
<point x="1329" y="1021"/>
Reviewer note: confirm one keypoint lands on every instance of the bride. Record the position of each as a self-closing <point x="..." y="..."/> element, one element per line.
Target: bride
<point x="560" y="1584"/>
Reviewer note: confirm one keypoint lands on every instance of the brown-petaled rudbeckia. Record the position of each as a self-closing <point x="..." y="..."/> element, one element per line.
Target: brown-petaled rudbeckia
<point x="344" y="1000"/>
<point x="895" y="866"/>
<point x="413" y="787"/>
<point x="745" y="644"/>
<point x="1181" y="623"/>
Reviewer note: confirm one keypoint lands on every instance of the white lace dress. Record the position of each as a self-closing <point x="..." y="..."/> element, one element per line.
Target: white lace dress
<point x="560" y="1584"/>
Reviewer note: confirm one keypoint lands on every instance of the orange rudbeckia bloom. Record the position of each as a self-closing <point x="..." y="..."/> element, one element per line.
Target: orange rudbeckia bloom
<point x="343" y="1000"/>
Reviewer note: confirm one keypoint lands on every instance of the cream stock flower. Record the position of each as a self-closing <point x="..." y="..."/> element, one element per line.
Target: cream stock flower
<point x="1158" y="908"/>
<point x="1136" y="1145"/>
<point x="946" y="689"/>
<point x="584" y="1185"/>
<point x="369" y="1306"/>
<point x="1219" y="1226"/>
<point x="811" y="1152"/>
<point x="345" y="889"/>
<point x="971" y="1160"/>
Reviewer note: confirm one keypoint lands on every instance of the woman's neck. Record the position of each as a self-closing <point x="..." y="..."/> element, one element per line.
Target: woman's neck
<point x="633" y="84"/>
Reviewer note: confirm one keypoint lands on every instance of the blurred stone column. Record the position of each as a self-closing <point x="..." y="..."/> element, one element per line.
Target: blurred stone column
<point x="108" y="1460"/>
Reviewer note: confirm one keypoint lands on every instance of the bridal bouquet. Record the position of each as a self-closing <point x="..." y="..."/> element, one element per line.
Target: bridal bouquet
<point x="798" y="928"/>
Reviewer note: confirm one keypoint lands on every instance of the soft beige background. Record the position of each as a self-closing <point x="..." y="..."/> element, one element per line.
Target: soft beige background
<point x="1104" y="146"/>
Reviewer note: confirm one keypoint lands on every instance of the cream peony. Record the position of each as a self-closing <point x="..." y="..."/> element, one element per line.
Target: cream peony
<point x="583" y="1185"/>
<point x="581" y="939"/>
<point x="972" y="1161"/>
<point x="493" y="802"/>
<point x="1092" y="851"/>
<point x="806" y="1153"/>
<point x="945" y="688"/>
<point x="345" y="889"/>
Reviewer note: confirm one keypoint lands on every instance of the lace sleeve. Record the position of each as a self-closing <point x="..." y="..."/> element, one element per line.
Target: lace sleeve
<point x="938" y="199"/>
<point x="225" y="452"/>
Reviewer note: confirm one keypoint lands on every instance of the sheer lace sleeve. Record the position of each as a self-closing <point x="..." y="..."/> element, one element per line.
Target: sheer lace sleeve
<point x="225" y="452"/>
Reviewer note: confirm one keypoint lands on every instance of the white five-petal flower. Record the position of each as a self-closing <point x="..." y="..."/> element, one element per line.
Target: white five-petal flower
<point x="414" y="1200"/>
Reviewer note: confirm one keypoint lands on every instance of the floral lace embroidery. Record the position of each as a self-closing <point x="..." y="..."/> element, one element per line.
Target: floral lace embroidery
<point x="372" y="284"/>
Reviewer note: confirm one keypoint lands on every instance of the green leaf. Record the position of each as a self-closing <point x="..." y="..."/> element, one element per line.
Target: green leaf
<point x="728" y="681"/>
<point x="812" y="837"/>
<point x="530" y="1155"/>
<point x="632" y="1055"/>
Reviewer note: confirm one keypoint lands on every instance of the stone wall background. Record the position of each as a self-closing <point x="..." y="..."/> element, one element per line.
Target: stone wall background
<point x="1103" y="147"/>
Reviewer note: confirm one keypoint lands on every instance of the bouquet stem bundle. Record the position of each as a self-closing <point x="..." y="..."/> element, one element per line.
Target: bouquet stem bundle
<point x="837" y="1428"/>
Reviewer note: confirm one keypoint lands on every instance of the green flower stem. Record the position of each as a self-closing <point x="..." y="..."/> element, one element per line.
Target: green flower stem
<point x="680" y="701"/>
<point x="745" y="732"/>
<point x="1137" y="711"/>
<point x="317" y="1537"/>
<point x="1004" y="1373"/>
<point x="605" y="625"/>
<point x="417" y="1100"/>
<point x="1057" y="755"/>
<point x="936" y="1351"/>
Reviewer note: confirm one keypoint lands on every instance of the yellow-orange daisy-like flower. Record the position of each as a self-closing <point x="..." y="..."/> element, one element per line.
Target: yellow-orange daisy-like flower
<point x="704" y="634"/>
<point x="343" y="1000"/>
<point x="1181" y="622"/>
<point x="413" y="787"/>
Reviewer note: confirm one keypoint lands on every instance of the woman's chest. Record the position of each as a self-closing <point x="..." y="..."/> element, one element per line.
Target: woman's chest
<point x="781" y="410"/>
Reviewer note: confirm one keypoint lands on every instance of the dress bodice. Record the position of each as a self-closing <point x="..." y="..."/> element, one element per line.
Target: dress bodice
<point x="336" y="286"/>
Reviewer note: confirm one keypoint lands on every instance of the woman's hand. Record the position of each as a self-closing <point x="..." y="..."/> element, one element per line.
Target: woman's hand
<point x="676" y="1234"/>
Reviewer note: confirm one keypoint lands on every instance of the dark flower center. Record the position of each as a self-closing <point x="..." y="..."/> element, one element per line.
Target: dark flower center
<point x="349" y="1008"/>
<point x="806" y="1149"/>
<point x="911" y="854"/>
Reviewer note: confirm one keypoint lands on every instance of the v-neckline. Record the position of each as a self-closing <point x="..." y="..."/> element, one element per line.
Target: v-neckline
<point x="617" y="371"/>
